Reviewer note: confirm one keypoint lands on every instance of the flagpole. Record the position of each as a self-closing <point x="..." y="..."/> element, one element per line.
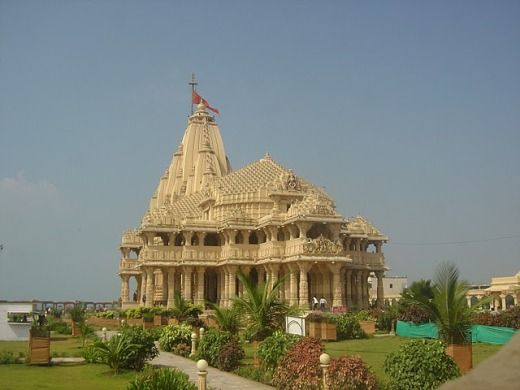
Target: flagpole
<point x="193" y="83"/>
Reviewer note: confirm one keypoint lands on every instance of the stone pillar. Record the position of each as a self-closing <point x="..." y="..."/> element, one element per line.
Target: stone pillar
<point x="304" y="287"/>
<point x="200" y="286"/>
<point x="261" y="274"/>
<point x="187" y="283"/>
<point x="359" y="289"/>
<point x="503" y="301"/>
<point x="468" y="300"/>
<point x="171" y="287"/>
<point x="366" y="294"/>
<point x="232" y="269"/>
<point x="142" y="291"/>
<point x="274" y="268"/>
<point x="515" y="299"/>
<point x="150" y="279"/>
<point x="348" y="288"/>
<point x="293" y="283"/>
<point x="380" y="289"/>
<point x="164" y="279"/>
<point x="245" y="269"/>
<point x="336" y="284"/>
<point x="124" y="288"/>
<point x="225" y="287"/>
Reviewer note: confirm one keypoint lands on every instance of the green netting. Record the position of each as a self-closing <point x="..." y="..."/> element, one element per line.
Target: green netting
<point x="479" y="333"/>
<point x="409" y="329"/>
<point x="491" y="334"/>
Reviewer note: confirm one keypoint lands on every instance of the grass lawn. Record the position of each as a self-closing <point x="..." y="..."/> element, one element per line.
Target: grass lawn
<point x="77" y="377"/>
<point x="61" y="345"/>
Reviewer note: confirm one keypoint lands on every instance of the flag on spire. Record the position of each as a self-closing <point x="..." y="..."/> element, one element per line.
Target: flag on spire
<point x="197" y="99"/>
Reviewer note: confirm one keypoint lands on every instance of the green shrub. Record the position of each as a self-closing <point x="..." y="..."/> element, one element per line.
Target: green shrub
<point x="58" y="326"/>
<point x="77" y="312"/>
<point x="230" y="355"/>
<point x="386" y="318"/>
<point x="413" y="313"/>
<point x="115" y="352"/>
<point x="347" y="327"/>
<point x="90" y="354"/>
<point x="211" y="345"/>
<point x="274" y="347"/>
<point x="145" y="346"/>
<point x="172" y="335"/>
<point x="7" y="357"/>
<point x="107" y="314"/>
<point x="420" y="364"/>
<point x="300" y="367"/>
<point x="350" y="372"/>
<point x="161" y="379"/>
<point x="363" y="315"/>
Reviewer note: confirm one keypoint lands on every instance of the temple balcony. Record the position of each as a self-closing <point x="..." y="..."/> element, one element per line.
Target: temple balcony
<point x="161" y="253"/>
<point x="201" y="253"/>
<point x="272" y="249"/>
<point x="366" y="258"/>
<point x="128" y="266"/>
<point x="131" y="238"/>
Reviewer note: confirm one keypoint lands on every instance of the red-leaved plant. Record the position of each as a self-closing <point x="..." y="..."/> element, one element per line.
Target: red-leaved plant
<point x="300" y="367"/>
<point x="350" y="372"/>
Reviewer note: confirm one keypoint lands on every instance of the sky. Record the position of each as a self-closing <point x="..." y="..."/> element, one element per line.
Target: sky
<point x="407" y="112"/>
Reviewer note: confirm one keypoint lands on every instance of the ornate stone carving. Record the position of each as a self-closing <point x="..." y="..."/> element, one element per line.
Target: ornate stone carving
<point x="289" y="182"/>
<point x="321" y="246"/>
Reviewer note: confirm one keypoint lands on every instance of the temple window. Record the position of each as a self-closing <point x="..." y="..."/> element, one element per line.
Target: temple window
<point x="253" y="238"/>
<point x="319" y="229"/>
<point x="239" y="239"/>
<point x="179" y="240"/>
<point x="211" y="239"/>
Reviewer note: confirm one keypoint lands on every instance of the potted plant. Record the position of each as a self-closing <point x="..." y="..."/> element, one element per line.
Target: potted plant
<point x="321" y="326"/>
<point x="39" y="341"/>
<point x="77" y="316"/>
<point x="449" y="310"/>
<point x="366" y="322"/>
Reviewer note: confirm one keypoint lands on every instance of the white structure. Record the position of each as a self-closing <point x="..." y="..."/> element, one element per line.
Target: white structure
<point x="15" y="321"/>
<point x="393" y="286"/>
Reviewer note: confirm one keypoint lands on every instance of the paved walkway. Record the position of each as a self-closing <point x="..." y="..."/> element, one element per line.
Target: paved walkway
<point x="217" y="379"/>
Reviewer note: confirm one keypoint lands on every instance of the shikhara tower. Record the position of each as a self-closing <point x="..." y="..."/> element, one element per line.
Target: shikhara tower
<point x="205" y="223"/>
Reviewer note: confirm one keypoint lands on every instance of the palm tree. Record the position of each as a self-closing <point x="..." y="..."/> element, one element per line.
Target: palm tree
<point x="182" y="309"/>
<point x="228" y="319"/>
<point x="261" y="306"/>
<point x="448" y="307"/>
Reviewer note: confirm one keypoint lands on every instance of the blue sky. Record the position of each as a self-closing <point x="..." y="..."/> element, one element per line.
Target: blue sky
<point x="407" y="112"/>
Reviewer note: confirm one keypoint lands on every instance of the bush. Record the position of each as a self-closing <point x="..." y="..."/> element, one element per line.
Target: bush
<point x="115" y="352"/>
<point x="274" y="347"/>
<point x="107" y="314"/>
<point x="509" y="318"/>
<point x="172" y="335"/>
<point x="161" y="379"/>
<point x="90" y="354"/>
<point x="420" y="364"/>
<point x="350" y="372"/>
<point x="413" y="313"/>
<point x="386" y="318"/>
<point x="347" y="327"/>
<point x="211" y="345"/>
<point x="58" y="326"/>
<point x="300" y="367"/>
<point x="182" y="349"/>
<point x="7" y="357"/>
<point x="364" y="315"/>
<point x="230" y="355"/>
<point x="144" y="350"/>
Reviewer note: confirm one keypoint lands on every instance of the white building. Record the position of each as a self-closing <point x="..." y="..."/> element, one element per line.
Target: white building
<point x="393" y="286"/>
<point x="15" y="321"/>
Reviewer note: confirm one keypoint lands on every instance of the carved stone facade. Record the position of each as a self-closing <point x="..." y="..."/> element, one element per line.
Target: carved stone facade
<point x="206" y="223"/>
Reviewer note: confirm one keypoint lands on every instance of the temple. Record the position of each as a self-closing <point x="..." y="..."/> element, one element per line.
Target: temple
<point x="205" y="223"/>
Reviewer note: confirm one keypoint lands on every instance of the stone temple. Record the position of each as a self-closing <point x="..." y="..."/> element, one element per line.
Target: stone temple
<point x="206" y="222"/>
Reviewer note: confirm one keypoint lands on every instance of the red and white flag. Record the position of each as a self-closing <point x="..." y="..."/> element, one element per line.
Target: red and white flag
<point x="196" y="99"/>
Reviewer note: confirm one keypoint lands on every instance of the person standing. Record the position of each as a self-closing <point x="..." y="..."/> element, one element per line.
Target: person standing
<point x="323" y="303"/>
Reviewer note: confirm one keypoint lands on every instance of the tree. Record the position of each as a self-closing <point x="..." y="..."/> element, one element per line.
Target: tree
<point x="228" y="319"/>
<point x="182" y="309"/>
<point x="421" y="287"/>
<point x="261" y="306"/>
<point x="448" y="307"/>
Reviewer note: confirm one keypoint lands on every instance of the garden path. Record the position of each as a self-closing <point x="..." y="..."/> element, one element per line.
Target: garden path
<point x="217" y="379"/>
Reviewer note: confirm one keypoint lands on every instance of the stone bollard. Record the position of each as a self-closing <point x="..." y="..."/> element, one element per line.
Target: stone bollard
<point x="202" y="367"/>
<point x="201" y="333"/>
<point x="104" y="331"/>
<point x="193" y="344"/>
<point x="123" y="322"/>
<point x="392" y="330"/>
<point x="324" y="363"/>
